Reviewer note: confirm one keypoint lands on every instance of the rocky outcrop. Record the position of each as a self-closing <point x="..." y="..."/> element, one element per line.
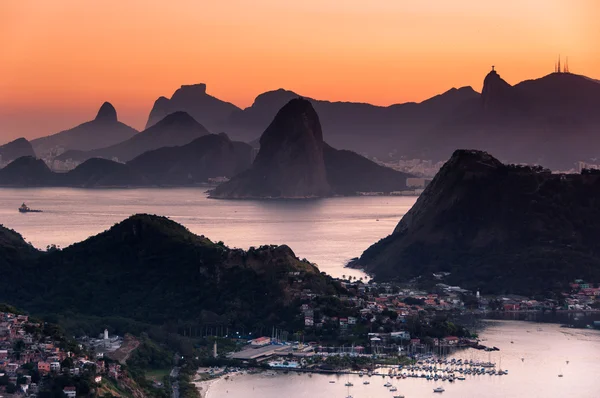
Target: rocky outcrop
<point x="193" y="99"/>
<point x="290" y="161"/>
<point x="497" y="228"/>
<point x="107" y="113"/>
<point x="496" y="92"/>
<point x="103" y="131"/>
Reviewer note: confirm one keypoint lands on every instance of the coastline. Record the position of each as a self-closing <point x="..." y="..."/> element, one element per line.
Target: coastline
<point x="203" y="387"/>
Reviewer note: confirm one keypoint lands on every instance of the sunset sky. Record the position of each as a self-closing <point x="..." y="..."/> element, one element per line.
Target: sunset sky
<point x="61" y="59"/>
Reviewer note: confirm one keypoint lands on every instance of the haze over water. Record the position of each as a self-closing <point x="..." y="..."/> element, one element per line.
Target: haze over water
<point x="328" y="232"/>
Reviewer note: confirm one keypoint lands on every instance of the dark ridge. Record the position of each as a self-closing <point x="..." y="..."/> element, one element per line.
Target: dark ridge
<point x="497" y="228"/>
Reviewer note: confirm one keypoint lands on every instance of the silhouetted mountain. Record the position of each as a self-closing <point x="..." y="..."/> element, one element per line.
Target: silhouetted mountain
<point x="294" y="162"/>
<point x="103" y="131"/>
<point x="26" y="171"/>
<point x="176" y="129"/>
<point x="349" y="173"/>
<point x="15" y="149"/>
<point x="496" y="228"/>
<point x="357" y="126"/>
<point x="162" y="272"/>
<point x="211" y="111"/>
<point x="552" y="120"/>
<point x="290" y="161"/>
<point x="206" y="157"/>
<point x="102" y="173"/>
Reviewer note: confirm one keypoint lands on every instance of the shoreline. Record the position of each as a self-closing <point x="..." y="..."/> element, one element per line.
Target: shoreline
<point x="203" y="387"/>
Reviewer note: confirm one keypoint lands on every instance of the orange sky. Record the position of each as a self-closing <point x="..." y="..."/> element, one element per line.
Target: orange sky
<point x="60" y="59"/>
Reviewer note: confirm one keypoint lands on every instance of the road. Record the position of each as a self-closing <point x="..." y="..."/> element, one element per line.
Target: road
<point x="174" y="382"/>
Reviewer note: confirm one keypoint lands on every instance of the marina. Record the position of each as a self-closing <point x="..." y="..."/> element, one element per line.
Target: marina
<point x="530" y="367"/>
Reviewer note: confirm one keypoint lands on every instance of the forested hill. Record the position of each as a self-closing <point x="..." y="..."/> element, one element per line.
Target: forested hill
<point x="497" y="228"/>
<point x="151" y="269"/>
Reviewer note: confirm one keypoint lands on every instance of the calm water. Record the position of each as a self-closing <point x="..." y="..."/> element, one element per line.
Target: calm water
<point x="328" y="232"/>
<point x="545" y="354"/>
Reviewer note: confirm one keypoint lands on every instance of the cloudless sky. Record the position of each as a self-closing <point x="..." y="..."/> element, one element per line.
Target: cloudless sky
<point x="60" y="59"/>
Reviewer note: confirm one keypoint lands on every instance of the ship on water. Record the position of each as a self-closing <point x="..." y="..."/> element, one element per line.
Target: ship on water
<point x="25" y="209"/>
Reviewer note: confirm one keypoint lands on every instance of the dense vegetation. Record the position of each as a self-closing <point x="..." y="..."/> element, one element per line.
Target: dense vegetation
<point x="497" y="228"/>
<point x="151" y="270"/>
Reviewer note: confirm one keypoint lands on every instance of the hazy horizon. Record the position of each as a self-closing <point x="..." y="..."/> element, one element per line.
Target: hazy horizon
<point x="63" y="59"/>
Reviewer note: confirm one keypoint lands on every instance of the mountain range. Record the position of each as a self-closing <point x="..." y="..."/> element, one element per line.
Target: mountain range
<point x="175" y="129"/>
<point x="496" y="228"/>
<point x="103" y="131"/>
<point x="550" y="120"/>
<point x="209" y="156"/>
<point x="295" y="162"/>
<point x="153" y="270"/>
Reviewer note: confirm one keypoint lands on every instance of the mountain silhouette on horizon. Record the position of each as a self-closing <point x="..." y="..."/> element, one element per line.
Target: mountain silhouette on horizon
<point x="295" y="163"/>
<point x="530" y="122"/>
<point x="103" y="131"/>
<point x="193" y="99"/>
<point x="175" y="129"/>
<point x="552" y="120"/>
<point x="15" y="149"/>
<point x="290" y="161"/>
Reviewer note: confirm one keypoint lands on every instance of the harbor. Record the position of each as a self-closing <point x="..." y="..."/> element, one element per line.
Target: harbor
<point x="531" y="366"/>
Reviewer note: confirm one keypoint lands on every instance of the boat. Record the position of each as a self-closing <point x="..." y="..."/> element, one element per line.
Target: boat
<point x="388" y="384"/>
<point x="332" y="381"/>
<point x="366" y="382"/>
<point x="393" y="389"/>
<point x="439" y="389"/>
<point x="25" y="209"/>
<point x="560" y="375"/>
<point x="348" y="384"/>
<point x="398" y="396"/>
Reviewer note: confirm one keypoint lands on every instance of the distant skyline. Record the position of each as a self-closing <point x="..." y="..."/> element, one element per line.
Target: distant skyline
<point x="62" y="59"/>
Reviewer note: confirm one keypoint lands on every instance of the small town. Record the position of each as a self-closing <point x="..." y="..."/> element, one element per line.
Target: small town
<point x="34" y="357"/>
<point x="374" y="325"/>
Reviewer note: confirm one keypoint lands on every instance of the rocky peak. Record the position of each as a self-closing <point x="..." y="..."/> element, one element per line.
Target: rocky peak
<point x="290" y="163"/>
<point x="496" y="91"/>
<point x="296" y="120"/>
<point x="107" y="113"/>
<point x="190" y="92"/>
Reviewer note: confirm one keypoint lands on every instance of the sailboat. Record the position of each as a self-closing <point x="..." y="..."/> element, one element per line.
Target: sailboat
<point x="500" y="371"/>
<point x="348" y="384"/>
<point x="560" y="374"/>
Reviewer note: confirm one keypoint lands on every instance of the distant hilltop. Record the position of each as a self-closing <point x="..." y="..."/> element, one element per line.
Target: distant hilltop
<point x="552" y="120"/>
